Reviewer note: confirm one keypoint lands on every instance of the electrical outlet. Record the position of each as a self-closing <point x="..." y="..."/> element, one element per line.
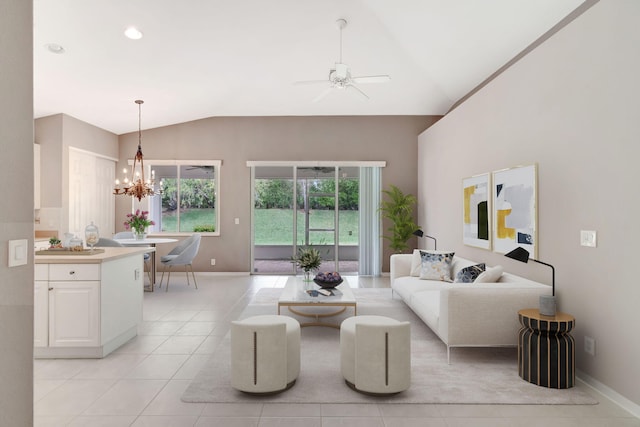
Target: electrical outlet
<point x="589" y="345"/>
<point x="213" y="261"/>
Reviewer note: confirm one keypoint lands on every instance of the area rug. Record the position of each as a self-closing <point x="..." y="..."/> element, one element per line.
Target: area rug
<point x="475" y="375"/>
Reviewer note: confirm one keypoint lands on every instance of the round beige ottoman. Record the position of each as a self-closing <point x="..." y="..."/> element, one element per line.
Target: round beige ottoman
<point x="265" y="353"/>
<point x="375" y="354"/>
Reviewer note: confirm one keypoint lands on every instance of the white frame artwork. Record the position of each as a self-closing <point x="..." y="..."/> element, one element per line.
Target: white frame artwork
<point x="515" y="209"/>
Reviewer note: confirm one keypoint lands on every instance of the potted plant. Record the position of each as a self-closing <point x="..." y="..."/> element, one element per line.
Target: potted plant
<point x="307" y="259"/>
<point x="55" y="243"/>
<point x="138" y="222"/>
<point x="399" y="210"/>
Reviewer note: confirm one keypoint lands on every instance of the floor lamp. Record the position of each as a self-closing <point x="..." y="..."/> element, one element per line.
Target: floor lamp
<point x="547" y="302"/>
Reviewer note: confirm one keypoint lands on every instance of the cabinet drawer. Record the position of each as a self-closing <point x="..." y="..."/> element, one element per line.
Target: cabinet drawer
<point x="41" y="272"/>
<point x="74" y="271"/>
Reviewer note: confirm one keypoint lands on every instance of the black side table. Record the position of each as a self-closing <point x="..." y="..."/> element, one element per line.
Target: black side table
<point x="546" y="349"/>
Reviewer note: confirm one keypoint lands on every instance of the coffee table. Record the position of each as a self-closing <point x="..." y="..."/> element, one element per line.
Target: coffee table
<point x="294" y="296"/>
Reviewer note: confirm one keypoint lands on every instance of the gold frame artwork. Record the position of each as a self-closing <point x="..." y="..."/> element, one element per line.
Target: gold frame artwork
<point x="515" y="209"/>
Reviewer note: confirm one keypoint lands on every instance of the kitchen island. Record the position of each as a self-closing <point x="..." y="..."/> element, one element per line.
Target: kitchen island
<point x="86" y="305"/>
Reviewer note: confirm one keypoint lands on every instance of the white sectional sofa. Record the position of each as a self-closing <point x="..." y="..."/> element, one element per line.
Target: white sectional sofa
<point x="466" y="314"/>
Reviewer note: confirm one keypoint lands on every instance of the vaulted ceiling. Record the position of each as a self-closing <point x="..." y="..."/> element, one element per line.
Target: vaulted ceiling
<point x="204" y="58"/>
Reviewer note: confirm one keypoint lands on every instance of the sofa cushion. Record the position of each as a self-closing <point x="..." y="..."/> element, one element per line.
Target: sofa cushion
<point x="426" y="304"/>
<point x="470" y="274"/>
<point x="406" y="286"/>
<point x="491" y="275"/>
<point x="436" y="266"/>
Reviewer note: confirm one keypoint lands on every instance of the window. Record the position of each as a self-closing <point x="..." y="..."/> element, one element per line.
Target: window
<point x="190" y="199"/>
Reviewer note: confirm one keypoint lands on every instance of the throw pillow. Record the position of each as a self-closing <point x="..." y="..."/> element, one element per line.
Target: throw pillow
<point x="470" y="274"/>
<point x="436" y="266"/>
<point x="416" y="263"/>
<point x="491" y="275"/>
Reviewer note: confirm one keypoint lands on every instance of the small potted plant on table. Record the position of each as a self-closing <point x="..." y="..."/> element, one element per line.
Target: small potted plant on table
<point x="307" y="259"/>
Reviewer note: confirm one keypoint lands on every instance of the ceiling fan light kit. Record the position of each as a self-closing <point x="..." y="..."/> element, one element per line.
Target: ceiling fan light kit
<point x="340" y="76"/>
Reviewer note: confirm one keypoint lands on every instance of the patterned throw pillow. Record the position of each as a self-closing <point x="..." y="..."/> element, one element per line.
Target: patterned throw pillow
<point x="436" y="266"/>
<point x="469" y="274"/>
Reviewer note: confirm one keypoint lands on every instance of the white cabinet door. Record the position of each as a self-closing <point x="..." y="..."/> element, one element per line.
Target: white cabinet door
<point x="41" y="313"/>
<point x="74" y="314"/>
<point x="91" y="192"/>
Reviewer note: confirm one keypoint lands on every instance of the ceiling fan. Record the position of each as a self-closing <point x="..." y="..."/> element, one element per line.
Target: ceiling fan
<point x="340" y="76"/>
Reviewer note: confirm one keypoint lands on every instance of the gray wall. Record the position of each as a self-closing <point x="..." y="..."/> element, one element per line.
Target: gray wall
<point x="56" y="134"/>
<point x="234" y="140"/>
<point x="16" y="215"/>
<point x="571" y="106"/>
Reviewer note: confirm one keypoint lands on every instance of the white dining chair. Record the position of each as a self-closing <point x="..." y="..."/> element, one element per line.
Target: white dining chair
<point x="182" y="254"/>
<point x="104" y="242"/>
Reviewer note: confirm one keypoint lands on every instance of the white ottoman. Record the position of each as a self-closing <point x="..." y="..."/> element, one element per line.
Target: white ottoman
<point x="375" y="354"/>
<point x="265" y="354"/>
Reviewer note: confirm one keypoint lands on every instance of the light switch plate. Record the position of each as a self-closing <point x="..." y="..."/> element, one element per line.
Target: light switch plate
<point x="588" y="238"/>
<point x="17" y="252"/>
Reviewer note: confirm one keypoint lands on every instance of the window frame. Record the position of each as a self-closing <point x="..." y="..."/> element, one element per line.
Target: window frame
<point x="217" y="165"/>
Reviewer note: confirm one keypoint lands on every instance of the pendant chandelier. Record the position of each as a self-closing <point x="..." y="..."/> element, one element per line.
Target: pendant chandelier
<point x="137" y="187"/>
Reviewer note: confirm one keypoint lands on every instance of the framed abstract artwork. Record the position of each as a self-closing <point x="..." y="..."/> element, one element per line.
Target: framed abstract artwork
<point x="515" y="211"/>
<point x="476" y="220"/>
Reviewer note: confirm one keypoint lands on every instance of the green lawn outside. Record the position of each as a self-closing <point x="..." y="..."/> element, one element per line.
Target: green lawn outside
<point x="274" y="226"/>
<point x="189" y="218"/>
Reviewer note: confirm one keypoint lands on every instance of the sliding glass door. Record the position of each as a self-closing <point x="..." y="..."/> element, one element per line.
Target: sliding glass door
<point x="273" y="219"/>
<point x="325" y="201"/>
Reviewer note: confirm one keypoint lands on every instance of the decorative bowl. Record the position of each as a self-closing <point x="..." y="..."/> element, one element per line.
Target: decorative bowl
<point x="327" y="285"/>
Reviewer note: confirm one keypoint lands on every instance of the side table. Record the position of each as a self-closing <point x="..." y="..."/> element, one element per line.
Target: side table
<point x="546" y="349"/>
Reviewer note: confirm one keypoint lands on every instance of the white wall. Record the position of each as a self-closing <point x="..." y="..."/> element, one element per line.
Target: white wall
<point x="16" y="211"/>
<point x="573" y="107"/>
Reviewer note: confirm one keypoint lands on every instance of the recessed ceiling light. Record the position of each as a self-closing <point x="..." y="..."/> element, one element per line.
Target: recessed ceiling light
<point x="54" y="48"/>
<point x="133" y="33"/>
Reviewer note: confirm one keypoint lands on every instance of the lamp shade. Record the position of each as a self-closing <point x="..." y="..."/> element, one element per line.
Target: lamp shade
<point x="418" y="233"/>
<point x="519" y="254"/>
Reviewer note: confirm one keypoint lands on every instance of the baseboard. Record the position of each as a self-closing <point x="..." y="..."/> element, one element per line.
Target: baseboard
<point x="609" y="393"/>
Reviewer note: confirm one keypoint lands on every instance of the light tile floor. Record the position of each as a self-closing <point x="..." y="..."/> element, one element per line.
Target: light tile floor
<point x="140" y="384"/>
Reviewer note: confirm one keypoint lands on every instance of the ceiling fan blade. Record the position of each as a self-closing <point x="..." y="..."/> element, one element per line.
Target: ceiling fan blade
<point x="309" y="82"/>
<point x="323" y="94"/>
<point x="371" y="79"/>
<point x="358" y="90"/>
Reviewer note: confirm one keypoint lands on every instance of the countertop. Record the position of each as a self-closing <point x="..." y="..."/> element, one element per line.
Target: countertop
<point x="108" y="255"/>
